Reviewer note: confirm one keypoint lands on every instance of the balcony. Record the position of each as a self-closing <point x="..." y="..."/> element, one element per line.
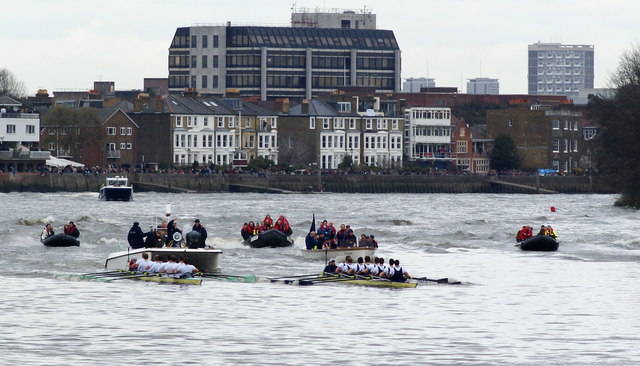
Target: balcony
<point x="113" y="154"/>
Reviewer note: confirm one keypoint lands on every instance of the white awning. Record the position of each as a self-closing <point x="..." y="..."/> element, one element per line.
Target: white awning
<point x="58" y="162"/>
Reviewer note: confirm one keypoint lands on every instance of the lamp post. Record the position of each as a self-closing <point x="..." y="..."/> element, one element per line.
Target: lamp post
<point x="188" y="156"/>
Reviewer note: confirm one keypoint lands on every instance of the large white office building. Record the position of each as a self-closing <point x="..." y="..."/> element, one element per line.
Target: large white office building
<point x="413" y="85"/>
<point x="558" y="69"/>
<point x="483" y="86"/>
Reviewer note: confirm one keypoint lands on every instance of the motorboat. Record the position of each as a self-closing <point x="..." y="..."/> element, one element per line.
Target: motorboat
<point x="61" y="240"/>
<point x="541" y="243"/>
<point x="269" y="238"/>
<point x="116" y="189"/>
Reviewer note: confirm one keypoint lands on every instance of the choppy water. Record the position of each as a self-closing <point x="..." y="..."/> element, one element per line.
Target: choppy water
<point x="579" y="305"/>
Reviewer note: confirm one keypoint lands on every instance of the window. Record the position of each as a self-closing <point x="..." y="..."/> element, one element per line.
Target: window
<point x="129" y="146"/>
<point x="220" y="122"/>
<point x="325" y="123"/>
<point x="215" y="41"/>
<point x="352" y="123"/>
<point x="274" y="122"/>
<point x="232" y="122"/>
<point x="129" y="131"/>
<point x="555" y="124"/>
<point x="394" y="124"/>
<point x="194" y="41"/>
<point x="215" y="61"/>
<point x="52" y="146"/>
<point x="204" y="81"/>
<point x="111" y="131"/>
<point x="369" y="124"/>
<point x="462" y="147"/>
<point x="204" y="61"/>
<point x="111" y="147"/>
<point x="566" y="124"/>
<point x="205" y="41"/>
<point x="123" y="131"/>
<point x="30" y="129"/>
<point x="189" y="121"/>
<point x="575" y="125"/>
<point x="178" y="121"/>
<point x="206" y="121"/>
<point x="510" y="123"/>
<point x="566" y="145"/>
<point x="312" y="123"/>
<point x="123" y="146"/>
<point x="575" y="145"/>
<point x="344" y="107"/>
<point x="214" y="81"/>
<point x="555" y="145"/>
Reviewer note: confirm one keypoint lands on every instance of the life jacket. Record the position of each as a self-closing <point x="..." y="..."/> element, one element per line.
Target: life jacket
<point x="398" y="276"/>
<point x="521" y="234"/>
<point x="268" y="222"/>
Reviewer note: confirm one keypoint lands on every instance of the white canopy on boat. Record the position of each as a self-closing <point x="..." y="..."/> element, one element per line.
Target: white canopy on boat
<point x="58" y="162"/>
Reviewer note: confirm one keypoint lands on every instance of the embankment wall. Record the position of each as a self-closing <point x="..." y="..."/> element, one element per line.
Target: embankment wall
<point x="352" y="183"/>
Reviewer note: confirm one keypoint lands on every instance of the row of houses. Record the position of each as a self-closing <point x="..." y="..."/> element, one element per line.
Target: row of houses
<point x="383" y="131"/>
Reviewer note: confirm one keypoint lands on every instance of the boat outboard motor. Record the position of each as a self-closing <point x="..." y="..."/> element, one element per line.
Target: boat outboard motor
<point x="193" y="239"/>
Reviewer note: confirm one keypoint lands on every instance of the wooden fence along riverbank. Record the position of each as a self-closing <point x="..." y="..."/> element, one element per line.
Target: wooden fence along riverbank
<point x="280" y="183"/>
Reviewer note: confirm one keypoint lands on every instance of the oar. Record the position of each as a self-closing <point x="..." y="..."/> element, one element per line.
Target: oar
<point x="287" y="277"/>
<point x="133" y="276"/>
<point x="330" y="278"/>
<point x="102" y="273"/>
<point x="440" y="280"/>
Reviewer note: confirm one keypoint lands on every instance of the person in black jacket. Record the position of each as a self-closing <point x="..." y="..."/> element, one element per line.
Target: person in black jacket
<point x="197" y="226"/>
<point x="151" y="238"/>
<point x="136" y="236"/>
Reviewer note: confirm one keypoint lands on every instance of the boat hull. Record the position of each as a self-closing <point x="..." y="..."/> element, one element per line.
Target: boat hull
<point x="61" y="240"/>
<point x="381" y="283"/>
<point x="339" y="254"/>
<point x="205" y="259"/>
<point x="116" y="193"/>
<point x="540" y="243"/>
<point x="271" y="238"/>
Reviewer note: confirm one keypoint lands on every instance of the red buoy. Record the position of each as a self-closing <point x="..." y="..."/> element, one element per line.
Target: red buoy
<point x="553" y="209"/>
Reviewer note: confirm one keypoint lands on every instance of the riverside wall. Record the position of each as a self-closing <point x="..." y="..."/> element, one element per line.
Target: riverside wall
<point x="352" y="183"/>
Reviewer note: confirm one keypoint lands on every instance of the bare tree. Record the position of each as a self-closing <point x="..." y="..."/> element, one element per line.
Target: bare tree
<point x="10" y="85"/>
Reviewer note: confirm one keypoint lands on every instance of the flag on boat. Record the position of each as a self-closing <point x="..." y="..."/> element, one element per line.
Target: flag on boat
<point x="313" y="224"/>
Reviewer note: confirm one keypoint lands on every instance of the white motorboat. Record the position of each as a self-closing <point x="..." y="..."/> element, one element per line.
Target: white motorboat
<point x="116" y="189"/>
<point x="339" y="254"/>
<point x="205" y="259"/>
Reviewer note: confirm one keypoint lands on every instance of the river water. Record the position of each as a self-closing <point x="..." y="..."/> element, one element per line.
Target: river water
<point x="579" y="305"/>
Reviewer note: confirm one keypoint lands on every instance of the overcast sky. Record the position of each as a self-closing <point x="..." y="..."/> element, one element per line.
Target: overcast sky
<point x="68" y="44"/>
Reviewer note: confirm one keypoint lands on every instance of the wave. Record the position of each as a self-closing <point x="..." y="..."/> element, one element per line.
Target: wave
<point x="34" y="222"/>
<point x="401" y="222"/>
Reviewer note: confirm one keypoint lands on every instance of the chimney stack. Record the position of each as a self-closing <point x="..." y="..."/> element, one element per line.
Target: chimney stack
<point x="286" y="106"/>
<point x="305" y="106"/>
<point x="159" y="106"/>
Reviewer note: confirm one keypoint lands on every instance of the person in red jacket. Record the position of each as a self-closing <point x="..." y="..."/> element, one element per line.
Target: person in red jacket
<point x="268" y="222"/>
<point x="525" y="233"/>
<point x="282" y="224"/>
